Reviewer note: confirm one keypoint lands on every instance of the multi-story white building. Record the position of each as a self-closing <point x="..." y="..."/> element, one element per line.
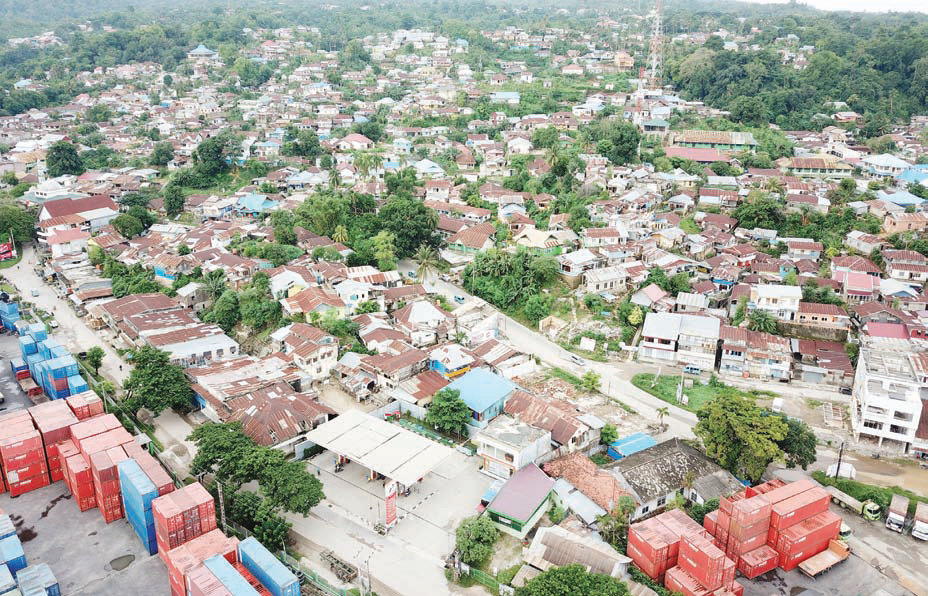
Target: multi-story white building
<point x="890" y="391"/>
<point x="507" y="445"/>
<point x="780" y="301"/>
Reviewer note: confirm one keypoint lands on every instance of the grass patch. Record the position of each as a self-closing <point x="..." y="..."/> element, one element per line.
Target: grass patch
<point x="862" y="492"/>
<point x="625" y="406"/>
<point x="698" y="395"/>
<point x="813" y="403"/>
<point x="689" y="225"/>
<point x="601" y="459"/>
<point x="560" y="373"/>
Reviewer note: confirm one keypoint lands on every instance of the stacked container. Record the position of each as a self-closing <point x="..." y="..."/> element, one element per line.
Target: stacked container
<point x="54" y="375"/>
<point x="182" y="516"/>
<point x="187" y="557"/>
<point x="106" y="481"/>
<point x="7" y="528"/>
<point x="9" y="314"/>
<point x="22" y="454"/>
<point x="253" y="581"/>
<point x="137" y="494"/>
<point x="11" y="553"/>
<point x="774" y="524"/>
<point x="53" y="420"/>
<point x="7" y="583"/>
<point x="85" y="404"/>
<point x="20" y="368"/>
<point x="654" y="544"/>
<point x="267" y="569"/>
<point x="202" y="582"/>
<point x="38" y="580"/>
<point x="78" y="476"/>
<point x="228" y="576"/>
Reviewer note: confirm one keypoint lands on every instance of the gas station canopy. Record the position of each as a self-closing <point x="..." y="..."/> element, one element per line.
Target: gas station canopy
<point x="378" y="445"/>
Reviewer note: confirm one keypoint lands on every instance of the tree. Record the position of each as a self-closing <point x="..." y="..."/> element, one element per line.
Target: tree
<point x="210" y="156"/>
<point x="761" y="320"/>
<point x="411" y="223"/>
<point x="17" y="220"/>
<point x="536" y="308"/>
<point x="384" y="250"/>
<point x="448" y="412"/>
<point x="608" y="434"/>
<point x="636" y="316"/>
<point x="225" y="311"/>
<point x="283" y="221"/>
<point x="616" y="140"/>
<point x="340" y="234"/>
<point x="215" y="283"/>
<point x="737" y="434"/>
<point x="545" y="137"/>
<point x="368" y="306"/>
<point x="571" y="580"/>
<point x="224" y="450"/>
<point x="474" y="540"/>
<point x="62" y="159"/>
<point x="613" y="526"/>
<point x="183" y="250"/>
<point x="270" y="528"/>
<point x="155" y="383"/>
<point x="251" y="73"/>
<point x="95" y="358"/>
<point x="289" y="485"/>
<point x="427" y="259"/>
<point x="661" y="412"/>
<point x="174" y="199"/>
<point x="161" y="154"/>
<point x="590" y="381"/>
<point x="740" y="311"/>
<point x="799" y="445"/>
<point x="128" y="226"/>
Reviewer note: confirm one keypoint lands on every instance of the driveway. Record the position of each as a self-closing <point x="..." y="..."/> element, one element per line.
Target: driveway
<point x="72" y="331"/>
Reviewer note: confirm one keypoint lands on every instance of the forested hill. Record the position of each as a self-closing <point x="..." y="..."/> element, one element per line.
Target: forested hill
<point x="877" y="64"/>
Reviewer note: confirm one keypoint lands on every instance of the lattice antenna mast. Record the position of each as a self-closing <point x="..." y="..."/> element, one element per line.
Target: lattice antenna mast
<point x="656" y="54"/>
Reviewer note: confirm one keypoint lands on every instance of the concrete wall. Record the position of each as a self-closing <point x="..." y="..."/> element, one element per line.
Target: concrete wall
<point x="811" y="331"/>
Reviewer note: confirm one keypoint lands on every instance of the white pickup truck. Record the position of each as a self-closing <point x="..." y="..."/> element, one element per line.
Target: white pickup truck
<point x="920" y="528"/>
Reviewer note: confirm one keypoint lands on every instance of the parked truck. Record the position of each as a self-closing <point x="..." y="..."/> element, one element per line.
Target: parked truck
<point x="898" y="511"/>
<point x="920" y="527"/>
<point x="868" y="509"/>
<point x="815" y="565"/>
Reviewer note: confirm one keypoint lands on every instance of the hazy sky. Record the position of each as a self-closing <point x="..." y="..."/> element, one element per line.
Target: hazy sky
<point x="862" y="5"/>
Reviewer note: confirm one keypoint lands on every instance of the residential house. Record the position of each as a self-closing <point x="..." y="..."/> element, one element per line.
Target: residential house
<point x="888" y="402"/>
<point x="754" y="354"/>
<point x="484" y="393"/>
<point x="780" y="301"/>
<point x="507" y="445"/>
<point x="521" y="502"/>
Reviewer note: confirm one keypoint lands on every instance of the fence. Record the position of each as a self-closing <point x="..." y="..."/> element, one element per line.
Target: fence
<point x="308" y="577"/>
<point x="483" y="578"/>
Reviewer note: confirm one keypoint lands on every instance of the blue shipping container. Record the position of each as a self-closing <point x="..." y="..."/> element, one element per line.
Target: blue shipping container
<point x="272" y="574"/>
<point x="27" y="346"/>
<point x="58" y="352"/>
<point x="229" y="577"/>
<point x="7" y="583"/>
<point x="11" y="553"/>
<point x="7" y="528"/>
<point x="77" y="384"/>
<point x="18" y="364"/>
<point x="138" y="491"/>
<point x="38" y="579"/>
<point x="9" y="308"/>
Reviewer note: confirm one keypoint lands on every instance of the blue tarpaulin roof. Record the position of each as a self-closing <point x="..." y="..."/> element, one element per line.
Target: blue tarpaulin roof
<point x="632" y="444"/>
<point x="480" y="389"/>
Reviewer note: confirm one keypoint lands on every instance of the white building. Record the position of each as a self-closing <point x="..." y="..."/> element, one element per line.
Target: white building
<point x="507" y="445"/>
<point x="780" y="301"/>
<point x="889" y="392"/>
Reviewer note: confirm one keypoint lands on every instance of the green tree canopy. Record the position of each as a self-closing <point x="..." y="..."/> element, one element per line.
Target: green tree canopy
<point x="62" y="158"/>
<point x="161" y="154"/>
<point x="17" y="220"/>
<point x="95" y="358"/>
<point x="572" y="580"/>
<point x="738" y="435"/>
<point x="448" y="412"/>
<point x="411" y="223"/>
<point x="474" y="539"/>
<point x="155" y="383"/>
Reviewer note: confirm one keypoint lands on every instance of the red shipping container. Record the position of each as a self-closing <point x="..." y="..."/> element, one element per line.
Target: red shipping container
<point x="723" y="521"/>
<point x="758" y="561"/>
<point x="790" y="490"/>
<point x="725" y="504"/>
<point x="709" y="521"/>
<point x="24" y="441"/>
<point x="22" y="374"/>
<point x="183" y="515"/>
<point x="739" y="547"/>
<point x="653" y="569"/>
<point x="701" y="559"/>
<point x="187" y="557"/>
<point x="20" y="474"/>
<point x="737" y="589"/>
<point x="19" y="488"/>
<point x="156" y="473"/>
<point x="94" y="426"/>
<point x="102" y="442"/>
<point x="802" y="506"/>
<point x="202" y="582"/>
<point x="748" y="512"/>
<point x="78" y="470"/>
<point x="678" y="580"/>
<point x="813" y="530"/>
<point x="789" y="561"/>
<point x="251" y="579"/>
<point x="746" y="532"/>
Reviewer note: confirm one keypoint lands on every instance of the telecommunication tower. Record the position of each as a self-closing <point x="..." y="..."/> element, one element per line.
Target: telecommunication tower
<point x="656" y="53"/>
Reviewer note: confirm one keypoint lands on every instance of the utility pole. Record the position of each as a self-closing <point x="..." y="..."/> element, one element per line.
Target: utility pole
<point x="222" y="506"/>
<point x="840" y="456"/>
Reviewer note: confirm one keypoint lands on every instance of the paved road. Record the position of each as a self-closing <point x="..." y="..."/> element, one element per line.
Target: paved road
<point x="72" y="332"/>
<point x="614" y="377"/>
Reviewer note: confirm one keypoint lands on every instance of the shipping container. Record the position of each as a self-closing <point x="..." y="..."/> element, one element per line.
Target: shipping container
<point x="38" y="578"/>
<point x="185" y="558"/>
<point x="228" y="576"/>
<point x="750" y="512"/>
<point x="272" y="574"/>
<point x="758" y="561"/>
<point x="798" y="508"/>
<point x="817" y="529"/>
<point x="788" y="491"/>
<point x="7" y="583"/>
<point x="137" y="494"/>
<point x="11" y="553"/>
<point x="678" y="580"/>
<point x="703" y="560"/>
<point x="182" y="515"/>
<point x="202" y="582"/>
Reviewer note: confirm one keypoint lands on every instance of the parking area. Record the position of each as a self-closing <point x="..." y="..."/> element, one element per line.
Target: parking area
<point x="14" y="397"/>
<point x="87" y="556"/>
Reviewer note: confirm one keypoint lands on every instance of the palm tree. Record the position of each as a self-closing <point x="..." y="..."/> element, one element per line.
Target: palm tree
<point x="661" y="412"/>
<point x="762" y="321"/>
<point x="774" y="185"/>
<point x="340" y="234"/>
<point x="428" y="262"/>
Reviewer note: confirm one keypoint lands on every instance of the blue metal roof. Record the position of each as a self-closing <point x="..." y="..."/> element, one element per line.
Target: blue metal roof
<point x="480" y="389"/>
<point x="632" y="444"/>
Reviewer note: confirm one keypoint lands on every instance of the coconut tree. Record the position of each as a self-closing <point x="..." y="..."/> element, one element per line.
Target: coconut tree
<point x="762" y="321"/>
<point x="340" y="234"/>
<point x="428" y="261"/>
<point x="661" y="412"/>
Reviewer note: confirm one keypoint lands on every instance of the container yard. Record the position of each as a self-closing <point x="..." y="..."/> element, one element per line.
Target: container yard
<point x="68" y="448"/>
<point x="759" y="529"/>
